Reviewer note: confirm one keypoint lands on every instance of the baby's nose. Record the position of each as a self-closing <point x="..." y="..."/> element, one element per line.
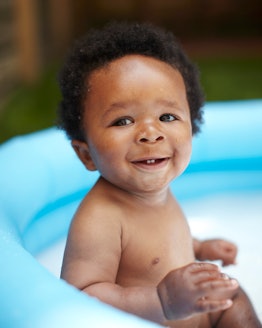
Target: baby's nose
<point x="151" y="139"/>
<point x="150" y="134"/>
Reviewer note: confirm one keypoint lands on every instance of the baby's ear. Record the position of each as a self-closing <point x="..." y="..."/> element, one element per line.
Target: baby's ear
<point x="82" y="150"/>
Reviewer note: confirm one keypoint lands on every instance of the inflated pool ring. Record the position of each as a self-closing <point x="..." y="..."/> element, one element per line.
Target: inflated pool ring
<point x="42" y="183"/>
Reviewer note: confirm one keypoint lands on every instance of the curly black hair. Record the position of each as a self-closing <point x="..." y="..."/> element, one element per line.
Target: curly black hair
<point x="102" y="46"/>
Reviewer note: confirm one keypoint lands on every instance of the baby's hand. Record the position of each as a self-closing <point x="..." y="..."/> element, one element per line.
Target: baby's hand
<point x="195" y="288"/>
<point x="217" y="249"/>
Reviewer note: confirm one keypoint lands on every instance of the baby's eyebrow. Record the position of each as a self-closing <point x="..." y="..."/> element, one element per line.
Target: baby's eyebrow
<point x="119" y="105"/>
<point x="126" y="104"/>
<point x="168" y="103"/>
<point x="123" y="105"/>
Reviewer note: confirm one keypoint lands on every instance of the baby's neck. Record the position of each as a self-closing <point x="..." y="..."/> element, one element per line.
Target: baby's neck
<point x="157" y="198"/>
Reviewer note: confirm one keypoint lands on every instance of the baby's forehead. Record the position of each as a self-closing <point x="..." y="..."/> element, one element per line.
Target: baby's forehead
<point x="135" y="81"/>
<point x="132" y="62"/>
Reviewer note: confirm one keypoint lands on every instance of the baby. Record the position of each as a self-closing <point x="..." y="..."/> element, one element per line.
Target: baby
<point x="131" y="104"/>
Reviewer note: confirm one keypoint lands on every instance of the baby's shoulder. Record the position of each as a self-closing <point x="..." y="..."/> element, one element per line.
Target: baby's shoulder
<point x="97" y="210"/>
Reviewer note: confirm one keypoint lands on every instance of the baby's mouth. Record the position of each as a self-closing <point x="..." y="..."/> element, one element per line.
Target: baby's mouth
<point x="151" y="162"/>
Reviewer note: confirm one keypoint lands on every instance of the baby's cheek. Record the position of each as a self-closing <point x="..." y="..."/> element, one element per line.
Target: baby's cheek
<point x="185" y="151"/>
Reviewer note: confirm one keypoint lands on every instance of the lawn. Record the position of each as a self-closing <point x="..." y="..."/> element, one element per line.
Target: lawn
<point x="31" y="108"/>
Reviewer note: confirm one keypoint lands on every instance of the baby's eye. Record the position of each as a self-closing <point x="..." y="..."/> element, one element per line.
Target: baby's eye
<point x="123" y="121"/>
<point x="167" y="118"/>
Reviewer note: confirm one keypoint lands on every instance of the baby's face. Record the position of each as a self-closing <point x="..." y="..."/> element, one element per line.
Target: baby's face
<point x="137" y="123"/>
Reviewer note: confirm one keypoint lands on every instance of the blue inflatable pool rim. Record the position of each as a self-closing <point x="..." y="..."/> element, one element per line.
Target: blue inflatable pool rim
<point x="43" y="182"/>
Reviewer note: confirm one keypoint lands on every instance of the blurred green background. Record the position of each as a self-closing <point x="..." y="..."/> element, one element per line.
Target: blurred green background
<point x="222" y="37"/>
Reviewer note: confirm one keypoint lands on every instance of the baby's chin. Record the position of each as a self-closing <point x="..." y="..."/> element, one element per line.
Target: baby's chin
<point x="148" y="188"/>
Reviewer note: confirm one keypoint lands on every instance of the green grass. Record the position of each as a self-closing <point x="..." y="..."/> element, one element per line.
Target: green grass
<point x="231" y="78"/>
<point x="30" y="108"/>
<point x="34" y="108"/>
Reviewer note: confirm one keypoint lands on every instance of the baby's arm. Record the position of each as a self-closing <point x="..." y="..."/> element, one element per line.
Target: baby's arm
<point x="184" y="292"/>
<point x="216" y="249"/>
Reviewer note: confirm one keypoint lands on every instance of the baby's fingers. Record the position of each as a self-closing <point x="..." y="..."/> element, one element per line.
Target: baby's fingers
<point x="205" y="305"/>
<point x="204" y="276"/>
<point x="219" y="289"/>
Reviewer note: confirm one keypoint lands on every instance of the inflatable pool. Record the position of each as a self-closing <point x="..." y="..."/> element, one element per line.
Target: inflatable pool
<point x="42" y="183"/>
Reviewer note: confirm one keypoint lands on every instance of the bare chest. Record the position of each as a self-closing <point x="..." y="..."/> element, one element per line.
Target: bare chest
<point x="151" y="250"/>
